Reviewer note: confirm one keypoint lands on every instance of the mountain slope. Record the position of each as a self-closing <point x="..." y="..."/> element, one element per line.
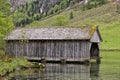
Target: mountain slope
<point x="105" y="17"/>
<point x="26" y="11"/>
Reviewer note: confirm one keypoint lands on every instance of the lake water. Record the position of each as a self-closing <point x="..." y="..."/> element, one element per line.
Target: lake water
<point x="109" y="69"/>
<point x="60" y="72"/>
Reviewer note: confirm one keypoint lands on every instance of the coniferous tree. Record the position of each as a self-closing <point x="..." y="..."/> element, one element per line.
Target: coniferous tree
<point x="41" y="7"/>
<point x="71" y="15"/>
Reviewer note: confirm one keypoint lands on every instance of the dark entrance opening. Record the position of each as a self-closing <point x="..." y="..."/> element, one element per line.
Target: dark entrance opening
<point x="94" y="51"/>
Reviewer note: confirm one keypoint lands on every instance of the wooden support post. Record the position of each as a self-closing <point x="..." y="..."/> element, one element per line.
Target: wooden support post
<point x="43" y="60"/>
<point x="87" y="62"/>
<point x="98" y="60"/>
<point x="63" y="61"/>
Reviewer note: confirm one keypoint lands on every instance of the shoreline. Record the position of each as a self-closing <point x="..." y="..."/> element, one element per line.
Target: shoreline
<point x="21" y="67"/>
<point x="9" y="65"/>
<point x="109" y="49"/>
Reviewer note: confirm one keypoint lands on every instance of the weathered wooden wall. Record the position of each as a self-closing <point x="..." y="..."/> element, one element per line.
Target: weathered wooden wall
<point x="52" y="49"/>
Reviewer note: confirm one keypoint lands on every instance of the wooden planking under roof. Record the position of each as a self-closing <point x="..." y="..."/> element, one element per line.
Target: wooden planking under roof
<point x="55" y="33"/>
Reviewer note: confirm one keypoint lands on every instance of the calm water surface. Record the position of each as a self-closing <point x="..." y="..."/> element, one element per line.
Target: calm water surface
<point x="109" y="69"/>
<point x="60" y="72"/>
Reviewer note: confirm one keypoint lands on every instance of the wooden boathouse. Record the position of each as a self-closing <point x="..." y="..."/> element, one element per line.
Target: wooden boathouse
<point x="55" y="44"/>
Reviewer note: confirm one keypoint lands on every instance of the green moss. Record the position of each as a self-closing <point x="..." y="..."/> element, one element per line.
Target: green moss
<point x="93" y="28"/>
<point x="23" y="34"/>
<point x="22" y="37"/>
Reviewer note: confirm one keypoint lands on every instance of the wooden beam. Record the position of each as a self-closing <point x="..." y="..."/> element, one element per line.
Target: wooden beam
<point x="63" y="61"/>
<point x="43" y="60"/>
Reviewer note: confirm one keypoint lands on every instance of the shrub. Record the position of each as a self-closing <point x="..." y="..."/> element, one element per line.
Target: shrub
<point x="60" y="21"/>
<point x="71" y="15"/>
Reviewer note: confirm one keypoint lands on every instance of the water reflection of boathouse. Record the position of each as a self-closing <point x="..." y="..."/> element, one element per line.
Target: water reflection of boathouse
<point x="74" y="71"/>
<point x="63" y="72"/>
<point x="70" y="72"/>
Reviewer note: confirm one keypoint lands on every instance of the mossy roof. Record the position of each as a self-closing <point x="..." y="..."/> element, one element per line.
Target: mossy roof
<point x="54" y="33"/>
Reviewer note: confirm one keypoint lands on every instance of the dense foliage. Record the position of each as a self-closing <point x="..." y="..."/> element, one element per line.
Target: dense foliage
<point x="6" y="24"/>
<point x="38" y="9"/>
<point x="94" y="3"/>
<point x="8" y="66"/>
<point x="34" y="10"/>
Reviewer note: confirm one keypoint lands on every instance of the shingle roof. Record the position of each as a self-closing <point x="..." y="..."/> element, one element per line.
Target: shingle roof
<point x="59" y="33"/>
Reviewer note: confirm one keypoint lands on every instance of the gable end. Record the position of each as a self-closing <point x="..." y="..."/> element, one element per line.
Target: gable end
<point x="96" y="37"/>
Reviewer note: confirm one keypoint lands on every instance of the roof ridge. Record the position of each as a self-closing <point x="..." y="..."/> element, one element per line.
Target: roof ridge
<point x="55" y="27"/>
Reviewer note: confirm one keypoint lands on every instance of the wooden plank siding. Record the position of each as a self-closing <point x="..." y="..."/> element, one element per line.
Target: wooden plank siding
<point x="50" y="49"/>
<point x="60" y="43"/>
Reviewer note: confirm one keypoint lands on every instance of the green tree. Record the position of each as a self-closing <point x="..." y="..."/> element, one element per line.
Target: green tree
<point x="60" y="21"/>
<point x="118" y="8"/>
<point x="6" y="24"/>
<point x="19" y="19"/>
<point x="71" y="15"/>
<point x="50" y="11"/>
<point x="56" y="8"/>
<point x="88" y="5"/>
<point x="63" y="4"/>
